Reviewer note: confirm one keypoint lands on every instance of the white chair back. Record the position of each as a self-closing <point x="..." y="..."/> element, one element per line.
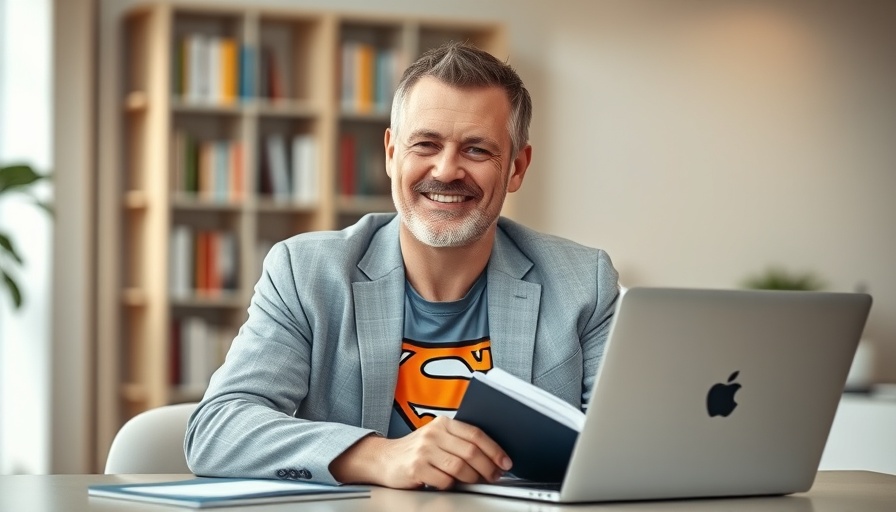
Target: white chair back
<point x="151" y="442"/>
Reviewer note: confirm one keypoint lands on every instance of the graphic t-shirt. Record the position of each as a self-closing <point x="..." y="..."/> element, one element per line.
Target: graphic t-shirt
<point x="443" y="344"/>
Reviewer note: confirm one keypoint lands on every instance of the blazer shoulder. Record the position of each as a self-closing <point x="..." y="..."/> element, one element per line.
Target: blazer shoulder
<point x="334" y="251"/>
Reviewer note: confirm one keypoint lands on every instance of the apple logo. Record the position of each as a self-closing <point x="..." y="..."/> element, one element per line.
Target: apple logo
<point x="720" y="399"/>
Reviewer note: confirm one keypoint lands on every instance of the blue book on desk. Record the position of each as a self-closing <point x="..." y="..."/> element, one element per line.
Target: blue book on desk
<point x="536" y="429"/>
<point x="225" y="492"/>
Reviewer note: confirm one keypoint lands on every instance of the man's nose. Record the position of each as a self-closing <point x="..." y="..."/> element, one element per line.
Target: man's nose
<point x="448" y="166"/>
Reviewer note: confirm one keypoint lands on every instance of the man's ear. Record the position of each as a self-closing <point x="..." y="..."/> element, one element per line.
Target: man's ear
<point x="518" y="168"/>
<point x="389" y="145"/>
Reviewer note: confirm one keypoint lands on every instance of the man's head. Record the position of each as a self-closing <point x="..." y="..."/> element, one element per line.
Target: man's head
<point x="457" y="145"/>
<point x="463" y="66"/>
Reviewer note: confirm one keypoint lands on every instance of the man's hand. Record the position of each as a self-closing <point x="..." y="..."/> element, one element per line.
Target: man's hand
<point x="442" y="452"/>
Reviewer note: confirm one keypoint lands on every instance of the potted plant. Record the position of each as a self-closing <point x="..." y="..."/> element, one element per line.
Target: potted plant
<point x="16" y="179"/>
<point x="779" y="278"/>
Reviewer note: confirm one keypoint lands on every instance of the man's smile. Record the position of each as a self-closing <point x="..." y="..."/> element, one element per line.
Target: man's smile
<point x="445" y="198"/>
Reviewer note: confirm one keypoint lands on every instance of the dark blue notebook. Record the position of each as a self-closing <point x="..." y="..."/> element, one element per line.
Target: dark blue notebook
<point x="537" y="441"/>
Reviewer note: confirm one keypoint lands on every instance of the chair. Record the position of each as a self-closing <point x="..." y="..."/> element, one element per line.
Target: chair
<point x="151" y="442"/>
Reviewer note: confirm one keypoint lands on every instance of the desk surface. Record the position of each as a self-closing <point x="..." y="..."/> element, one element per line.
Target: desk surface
<point x="859" y="491"/>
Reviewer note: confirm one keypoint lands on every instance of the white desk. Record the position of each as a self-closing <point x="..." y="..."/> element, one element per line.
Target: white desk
<point x="863" y="435"/>
<point x="856" y="491"/>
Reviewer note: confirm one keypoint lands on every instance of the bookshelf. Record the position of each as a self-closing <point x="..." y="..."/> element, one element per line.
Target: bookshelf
<point x="237" y="127"/>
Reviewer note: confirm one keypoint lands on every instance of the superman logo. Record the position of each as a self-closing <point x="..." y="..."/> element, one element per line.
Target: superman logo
<point x="432" y="377"/>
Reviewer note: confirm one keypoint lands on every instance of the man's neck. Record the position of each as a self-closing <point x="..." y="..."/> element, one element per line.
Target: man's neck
<point x="444" y="274"/>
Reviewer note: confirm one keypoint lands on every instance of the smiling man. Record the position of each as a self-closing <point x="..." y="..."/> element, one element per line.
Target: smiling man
<point x="360" y="343"/>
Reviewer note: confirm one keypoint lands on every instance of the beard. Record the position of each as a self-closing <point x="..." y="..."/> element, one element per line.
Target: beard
<point x="441" y="228"/>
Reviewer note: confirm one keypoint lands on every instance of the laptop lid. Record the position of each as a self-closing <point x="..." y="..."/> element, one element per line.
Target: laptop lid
<point x="707" y="393"/>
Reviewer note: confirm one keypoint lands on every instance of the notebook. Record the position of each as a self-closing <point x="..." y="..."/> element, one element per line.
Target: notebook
<point x="709" y="393"/>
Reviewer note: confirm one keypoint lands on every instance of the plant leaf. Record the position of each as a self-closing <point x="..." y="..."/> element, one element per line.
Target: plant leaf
<point x="13" y="288"/>
<point x="17" y="176"/>
<point x="9" y="248"/>
<point x="47" y="207"/>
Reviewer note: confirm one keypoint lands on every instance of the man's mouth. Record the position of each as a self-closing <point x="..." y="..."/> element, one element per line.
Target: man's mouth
<point x="445" y="198"/>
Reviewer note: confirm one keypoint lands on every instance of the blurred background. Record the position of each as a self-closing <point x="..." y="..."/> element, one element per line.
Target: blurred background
<point x="699" y="143"/>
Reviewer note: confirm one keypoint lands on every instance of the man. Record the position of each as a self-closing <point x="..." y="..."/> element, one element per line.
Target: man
<point x="360" y="343"/>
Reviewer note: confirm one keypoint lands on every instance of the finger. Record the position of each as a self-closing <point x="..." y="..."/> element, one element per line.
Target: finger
<point x="434" y="477"/>
<point x="485" y="443"/>
<point x="457" y="467"/>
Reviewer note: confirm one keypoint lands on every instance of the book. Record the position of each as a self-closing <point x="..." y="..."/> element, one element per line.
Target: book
<point x="203" y="492"/>
<point x="304" y="169"/>
<point x="278" y="166"/>
<point x="536" y="429"/>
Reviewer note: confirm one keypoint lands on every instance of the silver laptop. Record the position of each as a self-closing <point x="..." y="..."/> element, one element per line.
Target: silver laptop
<point x="708" y="393"/>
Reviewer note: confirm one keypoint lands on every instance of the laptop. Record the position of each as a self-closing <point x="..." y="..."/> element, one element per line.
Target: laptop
<point x="709" y="393"/>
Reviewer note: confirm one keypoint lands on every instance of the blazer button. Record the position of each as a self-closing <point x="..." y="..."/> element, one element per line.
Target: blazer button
<point x="293" y="474"/>
<point x="281" y="473"/>
<point x="304" y="473"/>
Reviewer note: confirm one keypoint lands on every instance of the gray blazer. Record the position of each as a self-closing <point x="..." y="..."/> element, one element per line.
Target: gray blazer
<point x="314" y="367"/>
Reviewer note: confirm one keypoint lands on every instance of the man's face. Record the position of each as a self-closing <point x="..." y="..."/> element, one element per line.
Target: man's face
<point x="450" y="162"/>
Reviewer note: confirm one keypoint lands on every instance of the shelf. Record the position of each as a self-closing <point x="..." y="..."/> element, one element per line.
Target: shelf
<point x="226" y="300"/>
<point x="361" y="205"/>
<point x="381" y="116"/>
<point x="136" y="101"/>
<point x="134" y="297"/>
<point x="135" y="200"/>
<point x="268" y="205"/>
<point x="214" y="163"/>
<point x="185" y="202"/>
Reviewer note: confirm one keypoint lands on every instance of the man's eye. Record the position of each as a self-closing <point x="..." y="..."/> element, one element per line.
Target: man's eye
<point x="476" y="151"/>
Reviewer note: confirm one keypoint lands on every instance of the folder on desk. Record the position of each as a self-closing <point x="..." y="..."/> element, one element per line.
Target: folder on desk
<point x="224" y="492"/>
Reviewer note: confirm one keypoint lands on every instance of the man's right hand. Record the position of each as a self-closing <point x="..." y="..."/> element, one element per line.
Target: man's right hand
<point x="439" y="454"/>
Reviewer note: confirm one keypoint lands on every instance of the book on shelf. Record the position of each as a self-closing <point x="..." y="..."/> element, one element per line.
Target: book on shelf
<point x="180" y="266"/>
<point x="275" y="145"/>
<point x="272" y="80"/>
<point x="202" y="262"/>
<point x="204" y="492"/>
<point x="362" y="170"/>
<point x="209" y="170"/>
<point x="208" y="69"/>
<point x="289" y="172"/>
<point x="304" y="169"/>
<point x="246" y="67"/>
<point x="537" y="429"/>
<point x="369" y="77"/>
<point x="198" y="349"/>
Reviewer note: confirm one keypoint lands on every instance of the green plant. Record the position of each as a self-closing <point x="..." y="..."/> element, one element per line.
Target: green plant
<point x="779" y="278"/>
<point x="20" y="179"/>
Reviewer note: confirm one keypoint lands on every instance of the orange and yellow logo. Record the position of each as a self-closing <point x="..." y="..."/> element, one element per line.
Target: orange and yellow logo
<point x="432" y="377"/>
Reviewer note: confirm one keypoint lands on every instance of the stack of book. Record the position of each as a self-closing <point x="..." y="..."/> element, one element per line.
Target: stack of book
<point x="203" y="263"/>
<point x="369" y="77"/>
<point x="212" y="69"/>
<point x="210" y="170"/>
<point x="290" y="174"/>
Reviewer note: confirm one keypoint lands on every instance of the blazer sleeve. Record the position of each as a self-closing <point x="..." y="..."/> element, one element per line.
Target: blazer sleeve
<point x="594" y="338"/>
<point x="245" y="425"/>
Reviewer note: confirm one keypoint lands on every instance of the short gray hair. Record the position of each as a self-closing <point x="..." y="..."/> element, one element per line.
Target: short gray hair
<point x="463" y="65"/>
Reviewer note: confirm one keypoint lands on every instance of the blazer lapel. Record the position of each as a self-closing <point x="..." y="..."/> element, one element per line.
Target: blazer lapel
<point x="513" y="306"/>
<point x="379" y="319"/>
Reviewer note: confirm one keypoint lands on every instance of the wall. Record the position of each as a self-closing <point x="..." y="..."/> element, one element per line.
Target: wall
<point x="699" y="142"/>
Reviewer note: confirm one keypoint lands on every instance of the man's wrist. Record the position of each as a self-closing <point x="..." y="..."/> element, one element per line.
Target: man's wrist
<point x="361" y="462"/>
